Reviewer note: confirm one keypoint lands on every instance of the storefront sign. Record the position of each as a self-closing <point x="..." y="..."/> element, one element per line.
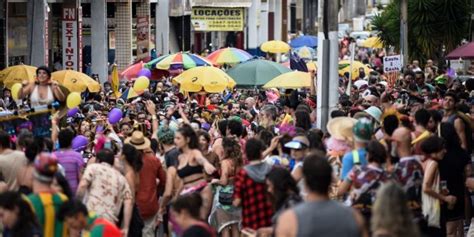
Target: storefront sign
<point x="143" y="38"/>
<point x="217" y="19"/>
<point x="71" y="39"/>
<point x="46" y="36"/>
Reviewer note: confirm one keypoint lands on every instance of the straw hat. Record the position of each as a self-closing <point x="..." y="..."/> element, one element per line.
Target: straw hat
<point x="340" y="128"/>
<point x="138" y="140"/>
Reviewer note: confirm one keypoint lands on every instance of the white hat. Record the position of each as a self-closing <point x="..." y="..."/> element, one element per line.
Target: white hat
<point x="374" y="112"/>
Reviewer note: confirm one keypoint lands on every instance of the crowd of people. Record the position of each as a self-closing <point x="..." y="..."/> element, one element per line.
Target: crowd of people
<point x="392" y="161"/>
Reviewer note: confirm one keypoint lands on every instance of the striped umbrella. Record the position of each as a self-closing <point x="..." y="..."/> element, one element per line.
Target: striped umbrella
<point x="228" y="56"/>
<point x="178" y="61"/>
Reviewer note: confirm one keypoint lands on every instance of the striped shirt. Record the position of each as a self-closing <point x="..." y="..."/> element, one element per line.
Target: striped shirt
<point x="45" y="206"/>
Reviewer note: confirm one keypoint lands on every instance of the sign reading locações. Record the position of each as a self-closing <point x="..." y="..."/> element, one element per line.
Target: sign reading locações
<point x="217" y="19"/>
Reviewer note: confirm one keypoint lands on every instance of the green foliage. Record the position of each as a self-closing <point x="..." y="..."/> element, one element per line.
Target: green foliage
<point x="432" y="24"/>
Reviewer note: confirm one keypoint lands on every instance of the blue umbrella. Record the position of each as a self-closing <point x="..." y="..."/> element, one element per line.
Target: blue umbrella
<point x="304" y="40"/>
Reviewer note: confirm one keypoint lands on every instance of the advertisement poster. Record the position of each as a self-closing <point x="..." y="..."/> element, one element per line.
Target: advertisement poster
<point x="217" y="19"/>
<point x="143" y="38"/>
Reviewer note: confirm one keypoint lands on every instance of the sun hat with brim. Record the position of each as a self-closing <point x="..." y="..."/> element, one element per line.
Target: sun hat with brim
<point x="374" y="112"/>
<point x="138" y="140"/>
<point x="298" y="143"/>
<point x="363" y="130"/>
<point x="340" y="128"/>
<point x="46" y="166"/>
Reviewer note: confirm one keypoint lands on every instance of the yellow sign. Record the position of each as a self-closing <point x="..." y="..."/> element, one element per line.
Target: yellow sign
<point x="217" y="19"/>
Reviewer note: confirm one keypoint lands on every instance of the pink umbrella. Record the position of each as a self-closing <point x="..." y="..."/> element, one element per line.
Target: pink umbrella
<point x="132" y="70"/>
<point x="465" y="51"/>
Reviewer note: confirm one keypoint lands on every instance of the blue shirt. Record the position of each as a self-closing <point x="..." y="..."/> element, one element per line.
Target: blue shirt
<point x="348" y="162"/>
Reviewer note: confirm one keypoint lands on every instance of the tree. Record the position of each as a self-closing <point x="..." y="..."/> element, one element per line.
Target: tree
<point x="432" y="25"/>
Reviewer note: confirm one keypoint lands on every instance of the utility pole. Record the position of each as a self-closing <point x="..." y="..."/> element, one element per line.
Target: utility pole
<point x="328" y="55"/>
<point x="404" y="31"/>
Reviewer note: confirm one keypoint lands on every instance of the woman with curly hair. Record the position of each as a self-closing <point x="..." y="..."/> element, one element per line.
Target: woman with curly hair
<point x="395" y="221"/>
<point x="225" y="217"/>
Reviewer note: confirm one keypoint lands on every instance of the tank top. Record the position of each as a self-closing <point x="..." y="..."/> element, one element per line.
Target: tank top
<point x="35" y="99"/>
<point x="327" y="219"/>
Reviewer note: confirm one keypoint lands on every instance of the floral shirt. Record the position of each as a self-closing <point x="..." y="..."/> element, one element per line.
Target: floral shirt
<point x="365" y="181"/>
<point x="107" y="190"/>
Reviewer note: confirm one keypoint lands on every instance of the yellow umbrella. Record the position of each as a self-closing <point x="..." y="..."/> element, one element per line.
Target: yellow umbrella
<point x="312" y="66"/>
<point x="17" y="74"/>
<point x="76" y="81"/>
<point x="345" y="65"/>
<point x="290" y="80"/>
<point x="372" y="42"/>
<point x="275" y="46"/>
<point x="209" y="79"/>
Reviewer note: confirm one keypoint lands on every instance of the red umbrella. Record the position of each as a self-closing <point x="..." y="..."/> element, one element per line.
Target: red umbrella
<point x="132" y="70"/>
<point x="465" y="51"/>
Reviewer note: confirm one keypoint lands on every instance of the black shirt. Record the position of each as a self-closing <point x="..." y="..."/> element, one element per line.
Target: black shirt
<point x="171" y="157"/>
<point x="451" y="170"/>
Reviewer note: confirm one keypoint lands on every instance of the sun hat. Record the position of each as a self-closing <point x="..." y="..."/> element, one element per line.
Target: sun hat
<point x="46" y="166"/>
<point x="340" y="128"/>
<point x="138" y="140"/>
<point x="374" y="112"/>
<point x="363" y="130"/>
<point x="297" y="143"/>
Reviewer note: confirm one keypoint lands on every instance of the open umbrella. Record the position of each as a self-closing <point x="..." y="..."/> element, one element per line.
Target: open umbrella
<point x="76" y="81"/>
<point x="465" y="51"/>
<point x="132" y="70"/>
<point x="305" y="52"/>
<point x="209" y="79"/>
<point x="256" y="72"/>
<point x="290" y="80"/>
<point x="304" y="40"/>
<point x="178" y="61"/>
<point x="275" y="46"/>
<point x="372" y="42"/>
<point x="129" y="93"/>
<point x="17" y="74"/>
<point x="312" y="66"/>
<point x="228" y="56"/>
<point x="345" y="65"/>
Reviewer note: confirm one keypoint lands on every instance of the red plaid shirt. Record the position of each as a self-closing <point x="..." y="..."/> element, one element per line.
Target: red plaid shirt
<point x="257" y="211"/>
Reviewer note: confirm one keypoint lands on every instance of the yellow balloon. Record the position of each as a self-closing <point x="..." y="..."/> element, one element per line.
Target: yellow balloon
<point x="73" y="100"/>
<point x="141" y="83"/>
<point x="16" y="90"/>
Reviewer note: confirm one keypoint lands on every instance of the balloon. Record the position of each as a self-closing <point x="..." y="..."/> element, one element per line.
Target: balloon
<point x="73" y="100"/>
<point x="15" y="90"/>
<point x="72" y="112"/>
<point x="141" y="84"/>
<point x="115" y="115"/>
<point x="79" y="143"/>
<point x="144" y="72"/>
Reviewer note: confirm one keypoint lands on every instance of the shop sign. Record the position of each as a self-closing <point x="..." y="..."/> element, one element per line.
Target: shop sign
<point x="70" y="38"/>
<point x="217" y="19"/>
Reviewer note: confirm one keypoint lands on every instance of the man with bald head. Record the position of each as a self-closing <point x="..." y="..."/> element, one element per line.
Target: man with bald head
<point x="408" y="172"/>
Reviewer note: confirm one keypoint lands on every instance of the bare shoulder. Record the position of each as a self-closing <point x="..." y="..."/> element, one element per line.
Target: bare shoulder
<point x="287" y="224"/>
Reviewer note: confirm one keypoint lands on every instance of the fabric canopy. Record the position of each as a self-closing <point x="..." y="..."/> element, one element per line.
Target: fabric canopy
<point x="465" y="52"/>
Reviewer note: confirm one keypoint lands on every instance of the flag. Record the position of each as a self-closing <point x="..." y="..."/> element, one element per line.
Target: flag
<point x="115" y="80"/>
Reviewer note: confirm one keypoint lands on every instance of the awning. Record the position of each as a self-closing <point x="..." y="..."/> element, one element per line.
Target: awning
<point x="222" y="3"/>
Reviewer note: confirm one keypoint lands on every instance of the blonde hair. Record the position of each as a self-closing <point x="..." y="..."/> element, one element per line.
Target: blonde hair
<point x="391" y="213"/>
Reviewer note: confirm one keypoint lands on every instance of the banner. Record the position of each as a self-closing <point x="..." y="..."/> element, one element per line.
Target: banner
<point x="143" y="38"/>
<point x="392" y="63"/>
<point x="217" y="19"/>
<point x="71" y="39"/>
<point x="39" y="124"/>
